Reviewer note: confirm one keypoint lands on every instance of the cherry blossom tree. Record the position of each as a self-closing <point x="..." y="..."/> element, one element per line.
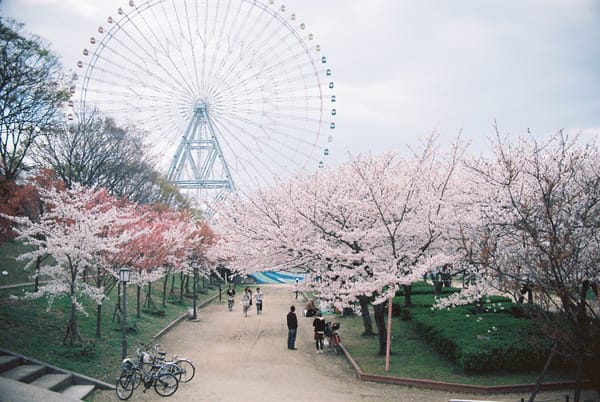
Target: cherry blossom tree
<point x="177" y="235"/>
<point x="360" y="230"/>
<point x="165" y="242"/>
<point x="71" y="230"/>
<point x="534" y="221"/>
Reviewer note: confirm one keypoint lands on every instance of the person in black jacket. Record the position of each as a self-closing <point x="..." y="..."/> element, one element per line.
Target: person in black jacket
<point x="292" y="324"/>
<point x="319" y="325"/>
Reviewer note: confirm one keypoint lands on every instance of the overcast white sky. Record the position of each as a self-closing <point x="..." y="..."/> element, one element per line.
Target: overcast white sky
<point x="404" y="68"/>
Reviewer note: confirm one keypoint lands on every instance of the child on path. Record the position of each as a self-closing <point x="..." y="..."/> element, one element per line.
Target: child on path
<point x="258" y="299"/>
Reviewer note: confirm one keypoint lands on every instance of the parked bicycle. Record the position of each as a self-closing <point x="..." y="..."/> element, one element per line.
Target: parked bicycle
<point x="133" y="373"/>
<point x="331" y="331"/>
<point x="151" y="362"/>
<point x="184" y="370"/>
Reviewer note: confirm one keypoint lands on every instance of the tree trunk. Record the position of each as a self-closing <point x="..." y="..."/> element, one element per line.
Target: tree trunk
<point x="540" y="378"/>
<point x="38" y="263"/>
<point x="408" y="296"/>
<point x="366" y="316"/>
<point x="182" y="286"/>
<point x="99" y="306"/>
<point x="149" y="303"/>
<point x="172" y="290"/>
<point x="379" y="310"/>
<point x="578" y="377"/>
<point x="139" y="300"/>
<point x="164" y="295"/>
<point x="581" y="337"/>
<point x="437" y="286"/>
<point x="479" y="306"/>
<point x="99" y="321"/>
<point x="72" y="336"/>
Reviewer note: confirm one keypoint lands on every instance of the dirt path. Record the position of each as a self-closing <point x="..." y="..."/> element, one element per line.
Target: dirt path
<point x="246" y="359"/>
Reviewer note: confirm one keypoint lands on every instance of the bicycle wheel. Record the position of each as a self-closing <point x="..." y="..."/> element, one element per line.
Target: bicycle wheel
<point x="136" y="375"/>
<point x="172" y="368"/>
<point x="125" y="386"/>
<point x="166" y="384"/>
<point x="337" y="348"/>
<point x="188" y="370"/>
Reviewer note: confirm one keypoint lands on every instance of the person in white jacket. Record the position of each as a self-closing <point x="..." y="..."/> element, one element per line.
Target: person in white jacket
<point x="246" y="297"/>
<point x="258" y="300"/>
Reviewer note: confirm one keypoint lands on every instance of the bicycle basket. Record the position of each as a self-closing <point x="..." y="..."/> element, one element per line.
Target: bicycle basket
<point x="126" y="364"/>
<point x="146" y="358"/>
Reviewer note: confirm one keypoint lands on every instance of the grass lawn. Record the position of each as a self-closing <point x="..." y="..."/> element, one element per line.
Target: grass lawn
<point x="9" y="264"/>
<point x="32" y="330"/>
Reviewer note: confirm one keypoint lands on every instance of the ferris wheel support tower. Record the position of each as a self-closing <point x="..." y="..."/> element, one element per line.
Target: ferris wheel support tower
<point x="198" y="163"/>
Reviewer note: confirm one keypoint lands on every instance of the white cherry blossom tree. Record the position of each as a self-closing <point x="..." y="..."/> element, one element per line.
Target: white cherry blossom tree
<point x="360" y="230"/>
<point x="72" y="230"/>
<point x="534" y="223"/>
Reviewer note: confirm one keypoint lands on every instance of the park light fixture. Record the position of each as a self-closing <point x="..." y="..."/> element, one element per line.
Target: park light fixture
<point x="124" y="278"/>
<point x="124" y="274"/>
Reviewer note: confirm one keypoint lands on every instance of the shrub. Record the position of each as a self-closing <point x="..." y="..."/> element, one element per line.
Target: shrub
<point x="423" y="287"/>
<point x="491" y="341"/>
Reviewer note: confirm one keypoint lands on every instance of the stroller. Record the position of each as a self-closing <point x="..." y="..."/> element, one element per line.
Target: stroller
<point x="331" y="332"/>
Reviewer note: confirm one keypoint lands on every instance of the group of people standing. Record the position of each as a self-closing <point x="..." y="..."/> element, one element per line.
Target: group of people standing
<point x="318" y="327"/>
<point x="246" y="300"/>
<point x="292" y="320"/>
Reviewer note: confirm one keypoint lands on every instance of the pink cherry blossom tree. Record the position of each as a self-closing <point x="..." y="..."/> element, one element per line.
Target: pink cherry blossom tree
<point x="143" y="254"/>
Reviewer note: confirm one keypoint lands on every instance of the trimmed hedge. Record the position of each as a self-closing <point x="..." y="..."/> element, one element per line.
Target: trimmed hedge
<point x="494" y="340"/>
<point x="423" y="287"/>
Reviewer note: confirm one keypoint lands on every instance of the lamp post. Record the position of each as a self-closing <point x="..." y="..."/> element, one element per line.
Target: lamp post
<point x="195" y="267"/>
<point x="124" y="278"/>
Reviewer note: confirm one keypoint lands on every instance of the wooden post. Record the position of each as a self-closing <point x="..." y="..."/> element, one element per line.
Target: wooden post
<point x="389" y="335"/>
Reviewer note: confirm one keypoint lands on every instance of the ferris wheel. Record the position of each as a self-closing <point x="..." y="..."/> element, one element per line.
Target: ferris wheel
<point x="232" y="93"/>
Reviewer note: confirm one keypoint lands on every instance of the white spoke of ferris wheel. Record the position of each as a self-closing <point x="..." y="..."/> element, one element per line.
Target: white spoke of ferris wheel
<point x="262" y="153"/>
<point x="128" y="67"/>
<point x="164" y="46"/>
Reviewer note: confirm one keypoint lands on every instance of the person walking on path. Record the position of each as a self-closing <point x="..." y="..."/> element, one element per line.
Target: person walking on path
<point x="247" y="290"/>
<point x="230" y="297"/>
<point x="292" y="324"/>
<point x="319" y="325"/>
<point x="296" y="290"/>
<point x="246" y="298"/>
<point x="258" y="300"/>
